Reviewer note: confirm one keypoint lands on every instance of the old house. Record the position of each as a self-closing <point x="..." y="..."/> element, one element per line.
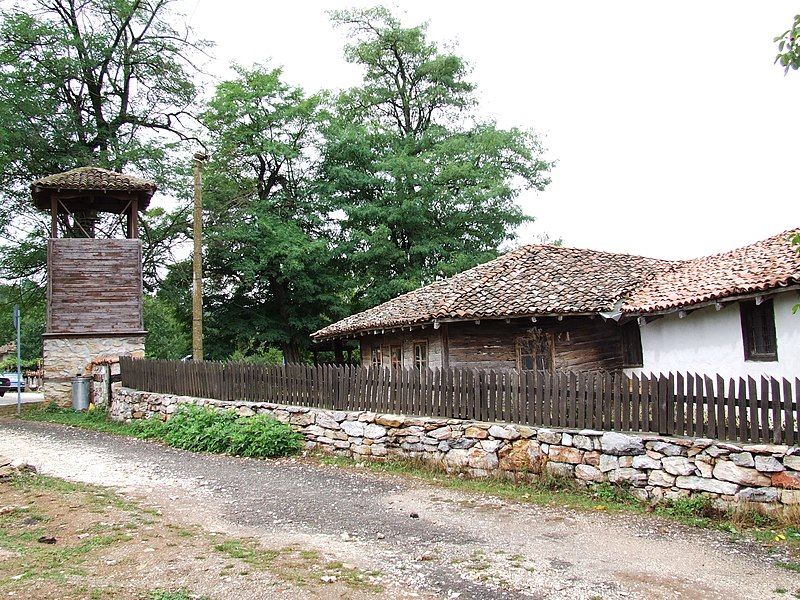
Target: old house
<point x="548" y="307"/>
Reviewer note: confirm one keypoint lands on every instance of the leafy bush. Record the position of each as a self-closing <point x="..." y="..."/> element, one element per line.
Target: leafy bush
<point x="203" y="429"/>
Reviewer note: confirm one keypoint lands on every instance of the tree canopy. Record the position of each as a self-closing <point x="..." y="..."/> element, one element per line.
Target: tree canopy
<point x="426" y="186"/>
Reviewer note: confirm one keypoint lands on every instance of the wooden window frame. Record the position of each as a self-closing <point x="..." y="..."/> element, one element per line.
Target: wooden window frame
<point x="375" y="356"/>
<point x="629" y="358"/>
<point x="532" y="335"/>
<point x="749" y="312"/>
<point x="399" y="348"/>
<point x="417" y="344"/>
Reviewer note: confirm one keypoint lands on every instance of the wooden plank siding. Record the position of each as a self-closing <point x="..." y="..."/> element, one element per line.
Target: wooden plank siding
<point x="579" y="343"/>
<point x="94" y="286"/>
<point x="668" y="404"/>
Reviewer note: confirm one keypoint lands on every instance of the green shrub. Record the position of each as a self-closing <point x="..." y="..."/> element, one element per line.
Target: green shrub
<point x="203" y="429"/>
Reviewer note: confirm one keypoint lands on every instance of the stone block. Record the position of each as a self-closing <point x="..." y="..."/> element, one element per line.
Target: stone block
<point x="787" y="479"/>
<point x="503" y="433"/>
<point x="768" y="464"/>
<point x="677" y="465"/>
<point x="480" y="459"/>
<point x="701" y="484"/>
<point x="742" y="459"/>
<point x="327" y="421"/>
<point x="560" y="469"/>
<point x="476" y="432"/>
<point x="548" y="436"/>
<point x="354" y="428"/>
<point x="792" y="462"/>
<point x="441" y="433"/>
<point x="608" y="463"/>
<point x="588" y="473"/>
<point x="763" y="494"/>
<point x="728" y="471"/>
<point x="583" y="442"/>
<point x="390" y="420"/>
<point x="645" y="462"/>
<point x="565" y="454"/>
<point x="620" y="444"/>
<point x="374" y="431"/>
<point x="627" y="475"/>
<point x="660" y="479"/>
<point x="667" y="449"/>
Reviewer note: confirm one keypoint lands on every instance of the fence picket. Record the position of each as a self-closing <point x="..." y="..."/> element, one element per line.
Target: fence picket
<point x="788" y="412"/>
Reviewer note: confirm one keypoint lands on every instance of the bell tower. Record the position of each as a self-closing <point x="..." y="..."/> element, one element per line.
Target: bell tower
<point x="94" y="271"/>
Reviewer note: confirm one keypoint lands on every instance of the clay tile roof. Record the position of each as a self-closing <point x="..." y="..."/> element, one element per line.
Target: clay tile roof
<point x="531" y="280"/>
<point x="94" y="178"/>
<point x="765" y="265"/>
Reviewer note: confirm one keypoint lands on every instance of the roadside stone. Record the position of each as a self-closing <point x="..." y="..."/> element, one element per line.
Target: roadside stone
<point x="583" y="442"/>
<point x="374" y="431"/>
<point x="768" y="464"/>
<point x="787" y="479"/>
<point x="536" y="457"/>
<point x="702" y="484"/>
<point x="625" y="461"/>
<point x="790" y="496"/>
<point x="677" y="465"/>
<point x="490" y="445"/>
<point x="620" y="444"/>
<point x="315" y="430"/>
<point x="763" y="494"/>
<point x="725" y="470"/>
<point x="462" y="443"/>
<point x="246" y="411"/>
<point x="716" y="451"/>
<point x="588" y="473"/>
<point x="456" y="458"/>
<point x="742" y="459"/>
<point x="566" y="439"/>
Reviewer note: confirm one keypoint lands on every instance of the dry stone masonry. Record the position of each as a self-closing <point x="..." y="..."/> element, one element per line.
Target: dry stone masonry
<point x="655" y="467"/>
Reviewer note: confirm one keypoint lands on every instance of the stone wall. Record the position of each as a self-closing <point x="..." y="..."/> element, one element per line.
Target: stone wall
<point x="654" y="467"/>
<point x="64" y="357"/>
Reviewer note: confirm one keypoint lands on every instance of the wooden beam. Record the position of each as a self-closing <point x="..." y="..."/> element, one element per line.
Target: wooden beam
<point x="445" y="346"/>
<point x="53" y="217"/>
<point x="134" y="216"/>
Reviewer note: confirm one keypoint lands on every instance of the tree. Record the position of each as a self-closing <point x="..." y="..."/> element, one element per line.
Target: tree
<point x="789" y="58"/>
<point x="427" y="188"/>
<point x="167" y="336"/>
<point x="272" y="278"/>
<point x="104" y="82"/>
<point x="31" y="300"/>
<point x="789" y="47"/>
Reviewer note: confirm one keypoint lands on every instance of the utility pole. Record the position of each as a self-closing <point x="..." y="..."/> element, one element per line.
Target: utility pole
<point x="197" y="260"/>
<point x="18" y="326"/>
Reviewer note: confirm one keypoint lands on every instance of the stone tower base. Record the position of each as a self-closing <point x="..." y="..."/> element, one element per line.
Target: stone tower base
<point x="67" y="356"/>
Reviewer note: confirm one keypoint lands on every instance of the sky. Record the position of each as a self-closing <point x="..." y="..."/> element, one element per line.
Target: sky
<point x="674" y="133"/>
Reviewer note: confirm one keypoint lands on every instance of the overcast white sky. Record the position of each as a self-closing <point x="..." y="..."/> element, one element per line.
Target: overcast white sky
<point x="674" y="132"/>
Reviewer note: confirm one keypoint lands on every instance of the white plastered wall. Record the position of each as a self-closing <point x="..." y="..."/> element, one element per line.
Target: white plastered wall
<point x="710" y="341"/>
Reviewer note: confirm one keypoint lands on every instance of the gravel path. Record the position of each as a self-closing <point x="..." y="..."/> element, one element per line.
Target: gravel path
<point x="459" y="545"/>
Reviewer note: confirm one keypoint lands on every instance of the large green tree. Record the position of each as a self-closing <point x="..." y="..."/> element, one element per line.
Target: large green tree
<point x="426" y="186"/>
<point x="271" y="276"/>
<point x="103" y="82"/>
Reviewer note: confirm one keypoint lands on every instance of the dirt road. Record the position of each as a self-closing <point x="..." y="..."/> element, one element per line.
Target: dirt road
<point x="455" y="545"/>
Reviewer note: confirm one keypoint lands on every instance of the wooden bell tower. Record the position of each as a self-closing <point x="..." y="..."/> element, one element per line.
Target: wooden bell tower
<point x="94" y="271"/>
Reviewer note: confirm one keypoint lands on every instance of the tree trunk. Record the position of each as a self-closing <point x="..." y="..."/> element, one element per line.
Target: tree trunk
<point x="291" y="352"/>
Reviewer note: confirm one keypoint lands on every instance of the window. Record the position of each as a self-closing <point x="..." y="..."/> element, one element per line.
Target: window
<point x="385" y="356"/>
<point x="535" y="351"/>
<point x="421" y="355"/>
<point x="376" y="356"/>
<point x="758" y="331"/>
<point x="397" y="356"/>
<point x="632" y="345"/>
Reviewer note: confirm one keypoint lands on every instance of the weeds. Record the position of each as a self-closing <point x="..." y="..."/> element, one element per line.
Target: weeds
<point x="195" y="428"/>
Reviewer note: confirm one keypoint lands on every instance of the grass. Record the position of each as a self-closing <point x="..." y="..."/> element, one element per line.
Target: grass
<point x="549" y="490"/>
<point x="194" y="428"/>
<point x="160" y="594"/>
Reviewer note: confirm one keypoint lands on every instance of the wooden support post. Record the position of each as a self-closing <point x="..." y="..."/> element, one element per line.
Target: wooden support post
<point x="53" y="217"/>
<point x="338" y="352"/>
<point x="445" y="346"/>
<point x="134" y="220"/>
<point x="197" y="261"/>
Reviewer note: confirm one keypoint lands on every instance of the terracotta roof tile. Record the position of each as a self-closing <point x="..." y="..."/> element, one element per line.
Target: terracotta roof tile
<point x="94" y="178"/>
<point x="765" y="265"/>
<point x="542" y="280"/>
<point x="535" y="279"/>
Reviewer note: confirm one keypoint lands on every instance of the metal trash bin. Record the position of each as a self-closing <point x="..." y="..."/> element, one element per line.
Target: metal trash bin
<point x="80" y="392"/>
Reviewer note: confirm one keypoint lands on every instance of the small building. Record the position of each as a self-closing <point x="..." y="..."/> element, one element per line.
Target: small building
<point x="94" y="271"/>
<point x="554" y="308"/>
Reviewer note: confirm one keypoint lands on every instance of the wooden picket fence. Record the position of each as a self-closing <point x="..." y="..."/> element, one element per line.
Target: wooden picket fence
<point x="746" y="410"/>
